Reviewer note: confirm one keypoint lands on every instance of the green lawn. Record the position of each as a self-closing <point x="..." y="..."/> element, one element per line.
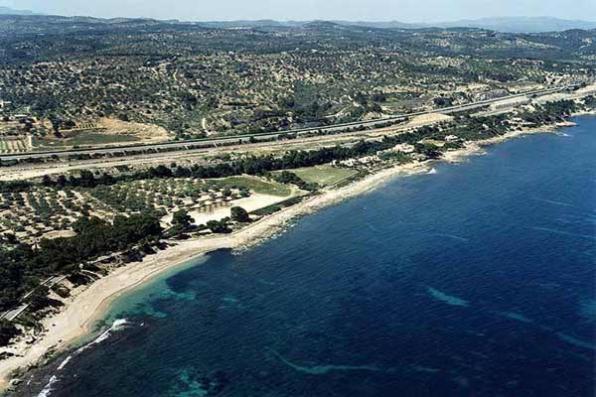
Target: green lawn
<point x="325" y="175"/>
<point x="255" y="184"/>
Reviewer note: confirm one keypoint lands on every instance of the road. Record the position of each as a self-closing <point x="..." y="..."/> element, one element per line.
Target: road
<point x="214" y="142"/>
<point x="13" y="314"/>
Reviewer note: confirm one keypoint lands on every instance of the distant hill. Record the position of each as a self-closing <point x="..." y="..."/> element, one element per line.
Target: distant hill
<point x="523" y="24"/>
<point x="384" y="25"/>
<point x="11" y="11"/>
<point x="501" y="24"/>
<point x="505" y="24"/>
<point x="263" y="23"/>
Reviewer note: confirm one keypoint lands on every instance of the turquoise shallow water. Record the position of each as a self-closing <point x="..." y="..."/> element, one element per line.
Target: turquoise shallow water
<point x="475" y="281"/>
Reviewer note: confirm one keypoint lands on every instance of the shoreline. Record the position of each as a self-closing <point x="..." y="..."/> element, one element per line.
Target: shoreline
<point x="82" y="311"/>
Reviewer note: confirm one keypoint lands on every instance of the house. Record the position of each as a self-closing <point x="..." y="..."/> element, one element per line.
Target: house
<point x="404" y="148"/>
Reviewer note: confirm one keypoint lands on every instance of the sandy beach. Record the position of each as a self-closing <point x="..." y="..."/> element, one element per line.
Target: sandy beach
<point x="81" y="312"/>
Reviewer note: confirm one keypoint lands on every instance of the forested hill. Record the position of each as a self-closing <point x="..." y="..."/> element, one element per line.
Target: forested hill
<point x="193" y="79"/>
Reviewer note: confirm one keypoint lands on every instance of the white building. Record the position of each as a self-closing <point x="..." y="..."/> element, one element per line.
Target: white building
<point x="404" y="148"/>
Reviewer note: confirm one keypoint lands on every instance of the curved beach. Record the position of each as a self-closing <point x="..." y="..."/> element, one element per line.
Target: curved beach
<point x="81" y="312"/>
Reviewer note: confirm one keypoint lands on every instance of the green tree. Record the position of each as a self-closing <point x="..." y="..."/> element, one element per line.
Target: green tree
<point x="219" y="226"/>
<point x="182" y="220"/>
<point x="39" y="298"/>
<point x="7" y="332"/>
<point x="239" y="214"/>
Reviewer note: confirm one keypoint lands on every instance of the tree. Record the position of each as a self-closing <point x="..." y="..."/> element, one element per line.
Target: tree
<point x="239" y="214"/>
<point x="289" y="177"/>
<point x="39" y="298"/>
<point x="218" y="226"/>
<point x="56" y="123"/>
<point x="428" y="149"/>
<point x="61" y="180"/>
<point x="181" y="220"/>
<point x="86" y="179"/>
<point x="47" y="181"/>
<point x="7" y="332"/>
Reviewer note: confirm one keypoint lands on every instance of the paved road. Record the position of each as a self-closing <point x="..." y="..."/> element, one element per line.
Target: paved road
<point x="13" y="314"/>
<point x="213" y="142"/>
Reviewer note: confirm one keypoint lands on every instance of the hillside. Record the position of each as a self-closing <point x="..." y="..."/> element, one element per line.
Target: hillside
<point x="192" y="80"/>
<point x="502" y="24"/>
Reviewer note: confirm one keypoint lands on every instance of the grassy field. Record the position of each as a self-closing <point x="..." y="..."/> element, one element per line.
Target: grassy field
<point x="325" y="175"/>
<point x="257" y="185"/>
<point x="100" y="139"/>
<point x="85" y="139"/>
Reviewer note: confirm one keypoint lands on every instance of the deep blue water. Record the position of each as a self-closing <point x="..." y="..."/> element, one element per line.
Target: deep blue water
<point x="478" y="280"/>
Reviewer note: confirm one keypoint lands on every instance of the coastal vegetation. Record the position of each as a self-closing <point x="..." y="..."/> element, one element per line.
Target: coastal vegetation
<point x="24" y="266"/>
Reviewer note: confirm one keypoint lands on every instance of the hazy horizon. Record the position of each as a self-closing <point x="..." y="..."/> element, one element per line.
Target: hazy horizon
<point x="410" y="11"/>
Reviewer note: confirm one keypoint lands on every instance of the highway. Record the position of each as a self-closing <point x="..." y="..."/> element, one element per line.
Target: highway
<point x="214" y="142"/>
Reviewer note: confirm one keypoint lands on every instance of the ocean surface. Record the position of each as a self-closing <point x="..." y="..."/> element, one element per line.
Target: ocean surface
<point x="475" y="280"/>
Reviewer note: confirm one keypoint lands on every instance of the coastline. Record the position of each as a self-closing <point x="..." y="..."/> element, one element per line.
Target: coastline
<point x="82" y="311"/>
<point x="77" y="318"/>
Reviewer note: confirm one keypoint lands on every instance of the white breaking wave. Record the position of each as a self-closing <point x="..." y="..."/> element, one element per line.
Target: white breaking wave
<point x="64" y="363"/>
<point x="48" y="388"/>
<point x="432" y="171"/>
<point x="116" y="326"/>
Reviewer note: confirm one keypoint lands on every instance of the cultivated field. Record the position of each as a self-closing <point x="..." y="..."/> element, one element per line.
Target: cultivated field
<point x="49" y="212"/>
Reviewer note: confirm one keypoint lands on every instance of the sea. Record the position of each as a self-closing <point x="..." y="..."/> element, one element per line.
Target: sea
<point x="476" y="279"/>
